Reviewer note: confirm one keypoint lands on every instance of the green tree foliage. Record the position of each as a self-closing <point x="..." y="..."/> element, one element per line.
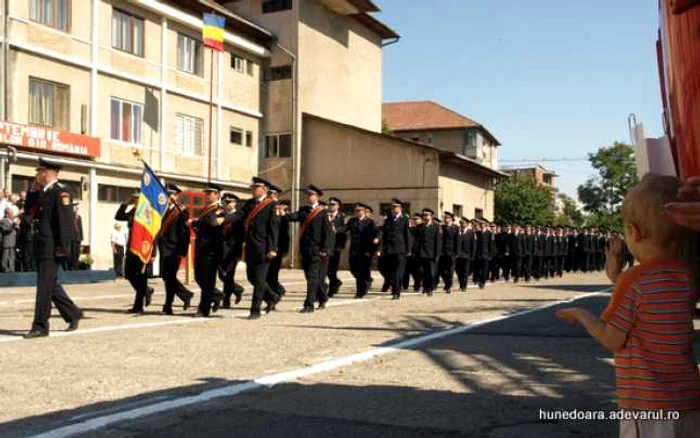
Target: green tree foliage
<point x="570" y="216"/>
<point x="520" y="199"/>
<point x="385" y="128"/>
<point x="603" y="194"/>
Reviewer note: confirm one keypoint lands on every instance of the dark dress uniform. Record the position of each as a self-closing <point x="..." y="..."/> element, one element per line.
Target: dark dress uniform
<point x="75" y="243"/>
<point x="207" y="254"/>
<point x="315" y="244"/>
<point x="134" y="269"/>
<point x="261" y="237"/>
<point x="507" y="254"/>
<point x="53" y="225"/>
<point x="530" y="251"/>
<point x="334" y="260"/>
<point x="397" y="243"/>
<point x="550" y="254"/>
<point x="465" y="256"/>
<point x="413" y="268"/>
<point x="362" y="235"/>
<point x="519" y="243"/>
<point x="231" y="252"/>
<point x="540" y="254"/>
<point x="571" y="253"/>
<point x="429" y="248"/>
<point x="484" y="245"/>
<point x="284" y="244"/>
<point x="173" y="244"/>
<point x="448" y="256"/>
<point x="602" y="243"/>
<point x="563" y="251"/>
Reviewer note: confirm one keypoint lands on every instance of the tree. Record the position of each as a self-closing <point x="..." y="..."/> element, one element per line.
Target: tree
<point x="603" y="194"/>
<point x="385" y="128"/>
<point x="520" y="199"/>
<point x="570" y="215"/>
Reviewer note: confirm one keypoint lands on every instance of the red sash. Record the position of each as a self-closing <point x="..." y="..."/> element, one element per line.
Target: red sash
<point x="169" y="219"/>
<point x="309" y="218"/>
<point x="256" y="210"/>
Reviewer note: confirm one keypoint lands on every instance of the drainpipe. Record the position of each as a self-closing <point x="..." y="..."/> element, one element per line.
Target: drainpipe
<point x="296" y="147"/>
<point x="92" y="173"/>
<point x="5" y="69"/>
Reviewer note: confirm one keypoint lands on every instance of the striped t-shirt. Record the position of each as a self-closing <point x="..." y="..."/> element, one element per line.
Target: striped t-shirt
<point x="655" y="369"/>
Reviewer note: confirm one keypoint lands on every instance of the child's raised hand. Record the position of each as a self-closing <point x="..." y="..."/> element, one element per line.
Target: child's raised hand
<point x="568" y="314"/>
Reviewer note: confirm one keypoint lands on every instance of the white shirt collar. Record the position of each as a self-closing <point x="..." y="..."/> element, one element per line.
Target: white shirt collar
<point x="262" y="198"/>
<point x="314" y="205"/>
<point x="49" y="185"/>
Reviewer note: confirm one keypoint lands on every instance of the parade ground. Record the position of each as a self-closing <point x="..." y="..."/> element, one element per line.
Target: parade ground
<point x="485" y="363"/>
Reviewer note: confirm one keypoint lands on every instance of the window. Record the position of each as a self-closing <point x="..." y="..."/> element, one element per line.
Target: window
<point x="271" y="6"/>
<point x="249" y="67"/>
<point x="114" y="194"/>
<point x="237" y="63"/>
<point x="127" y="33"/>
<point x="188" y="134"/>
<point x="457" y="211"/>
<point x="249" y="139"/>
<point x="348" y="209"/>
<point x="278" y="145"/>
<point x="279" y="73"/>
<point x="126" y="120"/>
<point x="478" y="213"/>
<point x="54" y="13"/>
<point x="189" y="55"/>
<point x="49" y="104"/>
<point x="22" y="183"/>
<point x="236" y="136"/>
<point x="469" y="148"/>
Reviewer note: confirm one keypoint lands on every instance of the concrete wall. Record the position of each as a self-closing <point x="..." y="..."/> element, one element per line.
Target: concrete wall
<point x="454" y="140"/>
<point x="362" y="167"/>
<point x="466" y="188"/>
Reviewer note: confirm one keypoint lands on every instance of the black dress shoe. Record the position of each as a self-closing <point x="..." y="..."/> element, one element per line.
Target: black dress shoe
<point x="238" y="299"/>
<point x="201" y="315"/>
<point x="430" y="293"/>
<point x="134" y="311"/>
<point x="464" y="289"/>
<point x="73" y="326"/>
<point x="216" y="303"/>
<point x="36" y="334"/>
<point x="149" y="296"/>
<point x="270" y="307"/>
<point x="482" y="285"/>
<point x="255" y="315"/>
<point x="448" y="291"/>
<point x="307" y="309"/>
<point x="321" y="306"/>
<point x="187" y="302"/>
<point x="168" y="312"/>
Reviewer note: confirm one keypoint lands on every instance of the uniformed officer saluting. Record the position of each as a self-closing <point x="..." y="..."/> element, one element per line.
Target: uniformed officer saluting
<point x="50" y="204"/>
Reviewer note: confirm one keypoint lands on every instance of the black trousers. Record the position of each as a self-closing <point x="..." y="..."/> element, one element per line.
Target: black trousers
<point x="169" y="266"/>
<point x="508" y="267"/>
<point x="428" y="273"/>
<point x="410" y="267"/>
<point x="118" y="260"/>
<point x="518" y="266"/>
<point x="257" y="273"/>
<point x="315" y="270"/>
<point x="528" y="261"/>
<point x="273" y="274"/>
<point x="333" y="263"/>
<point x="395" y="265"/>
<point x="482" y="271"/>
<point x="136" y="274"/>
<point x="447" y="270"/>
<point x="360" y="266"/>
<point x="561" y="261"/>
<point x="74" y="255"/>
<point x="205" y="266"/>
<point x="48" y="291"/>
<point x="228" y="278"/>
<point x="27" y="256"/>
<point x="383" y="268"/>
<point x="494" y="268"/>
<point x="463" y="268"/>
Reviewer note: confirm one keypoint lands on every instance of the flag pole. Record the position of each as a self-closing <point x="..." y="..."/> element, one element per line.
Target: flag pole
<point x="211" y="110"/>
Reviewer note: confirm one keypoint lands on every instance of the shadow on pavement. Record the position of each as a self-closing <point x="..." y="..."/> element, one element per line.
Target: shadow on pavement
<point x="585" y="288"/>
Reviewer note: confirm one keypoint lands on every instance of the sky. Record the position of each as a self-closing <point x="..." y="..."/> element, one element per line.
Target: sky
<point x="551" y="79"/>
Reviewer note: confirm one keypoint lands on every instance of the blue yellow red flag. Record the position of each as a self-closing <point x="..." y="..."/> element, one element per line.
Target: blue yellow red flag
<point x="150" y="209"/>
<point x="213" y="31"/>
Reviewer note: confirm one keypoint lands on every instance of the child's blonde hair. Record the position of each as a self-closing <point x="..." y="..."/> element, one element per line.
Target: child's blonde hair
<point x="644" y="206"/>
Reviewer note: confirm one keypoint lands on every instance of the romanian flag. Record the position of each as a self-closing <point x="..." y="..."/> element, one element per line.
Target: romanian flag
<point x="148" y="216"/>
<point x="213" y="31"/>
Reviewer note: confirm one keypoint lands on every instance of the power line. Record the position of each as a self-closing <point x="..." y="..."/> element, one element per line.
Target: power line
<point x="545" y="160"/>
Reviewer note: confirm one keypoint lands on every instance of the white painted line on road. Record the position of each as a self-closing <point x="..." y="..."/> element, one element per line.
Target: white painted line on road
<point x="274" y="379"/>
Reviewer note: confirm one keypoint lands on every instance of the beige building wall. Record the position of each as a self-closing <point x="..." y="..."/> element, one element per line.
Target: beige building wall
<point x="469" y="189"/>
<point x="455" y="140"/>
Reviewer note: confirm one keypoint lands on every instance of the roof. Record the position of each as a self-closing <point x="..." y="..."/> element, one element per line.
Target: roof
<point x="426" y="115"/>
<point x="377" y="26"/>
<point x="528" y="168"/>
<point x="451" y="156"/>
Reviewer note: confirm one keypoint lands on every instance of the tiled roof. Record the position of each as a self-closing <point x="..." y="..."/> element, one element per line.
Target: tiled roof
<point x="423" y="115"/>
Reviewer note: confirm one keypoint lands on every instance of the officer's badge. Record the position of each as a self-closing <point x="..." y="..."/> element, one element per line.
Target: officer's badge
<point x="65" y="198"/>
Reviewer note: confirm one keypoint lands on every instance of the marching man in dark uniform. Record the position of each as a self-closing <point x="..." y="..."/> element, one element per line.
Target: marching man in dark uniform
<point x="413" y="261"/>
<point x="173" y="244"/>
<point x="396" y="245"/>
<point x="77" y="238"/>
<point x="231" y="252"/>
<point x="484" y="244"/>
<point x="315" y="244"/>
<point x="570" y="250"/>
<point x="465" y="253"/>
<point x="363" y="245"/>
<point x="530" y="251"/>
<point x="283" y="243"/>
<point x="134" y="269"/>
<point x="207" y="249"/>
<point x="450" y="248"/>
<point x="337" y="219"/>
<point x="429" y="248"/>
<point x="49" y="202"/>
<point x="506" y="252"/>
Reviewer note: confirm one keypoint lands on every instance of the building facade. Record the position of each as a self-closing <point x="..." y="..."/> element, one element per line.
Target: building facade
<point x="91" y="81"/>
<point x="540" y="174"/>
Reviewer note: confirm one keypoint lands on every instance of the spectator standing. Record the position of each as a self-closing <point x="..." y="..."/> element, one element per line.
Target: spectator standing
<point x="118" y="239"/>
<point x="77" y="239"/>
<point x="25" y="242"/>
<point x="8" y="228"/>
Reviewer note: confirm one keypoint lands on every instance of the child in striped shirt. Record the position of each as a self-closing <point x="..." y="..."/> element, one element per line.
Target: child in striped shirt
<point x="648" y="323"/>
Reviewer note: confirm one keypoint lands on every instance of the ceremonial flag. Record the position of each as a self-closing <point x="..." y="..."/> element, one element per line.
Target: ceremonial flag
<point x="213" y="31"/>
<point x="150" y="209"/>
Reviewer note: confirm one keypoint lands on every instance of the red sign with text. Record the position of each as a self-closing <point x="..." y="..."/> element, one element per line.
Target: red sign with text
<point x="49" y="140"/>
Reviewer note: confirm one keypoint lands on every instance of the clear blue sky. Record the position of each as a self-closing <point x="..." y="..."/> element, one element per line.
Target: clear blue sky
<point x="549" y="78"/>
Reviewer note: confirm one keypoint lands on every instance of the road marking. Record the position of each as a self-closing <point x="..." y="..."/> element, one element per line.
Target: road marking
<point x="274" y="379"/>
